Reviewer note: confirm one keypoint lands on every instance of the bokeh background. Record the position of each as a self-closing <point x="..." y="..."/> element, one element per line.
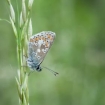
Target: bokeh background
<point x="78" y="54"/>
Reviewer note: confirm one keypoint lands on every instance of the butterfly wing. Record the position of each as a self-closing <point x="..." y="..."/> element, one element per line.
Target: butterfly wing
<point x="40" y="43"/>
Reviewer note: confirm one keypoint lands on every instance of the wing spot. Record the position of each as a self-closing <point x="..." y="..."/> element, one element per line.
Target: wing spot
<point x="36" y="38"/>
<point x="46" y="44"/>
<point x="39" y="37"/>
<point x="38" y="57"/>
<point x="43" y="38"/>
<point x="49" y="36"/>
<point x="44" y="50"/>
<point x="31" y="40"/>
<point x="35" y="54"/>
<point x="36" y="44"/>
<point x="38" y="50"/>
<point x="43" y="42"/>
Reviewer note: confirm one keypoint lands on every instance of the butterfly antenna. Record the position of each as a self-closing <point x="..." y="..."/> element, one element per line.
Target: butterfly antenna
<point x="55" y="73"/>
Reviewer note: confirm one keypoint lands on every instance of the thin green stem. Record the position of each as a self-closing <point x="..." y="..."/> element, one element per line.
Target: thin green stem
<point x="20" y="31"/>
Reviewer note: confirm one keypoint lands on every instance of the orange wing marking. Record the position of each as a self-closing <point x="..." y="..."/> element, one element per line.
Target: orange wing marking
<point x="46" y="44"/>
<point x="31" y="40"/>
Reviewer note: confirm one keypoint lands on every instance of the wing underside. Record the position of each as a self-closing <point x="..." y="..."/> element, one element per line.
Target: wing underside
<point x="39" y="44"/>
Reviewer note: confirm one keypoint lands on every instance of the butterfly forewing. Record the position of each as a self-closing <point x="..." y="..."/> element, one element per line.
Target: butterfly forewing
<point x="40" y="44"/>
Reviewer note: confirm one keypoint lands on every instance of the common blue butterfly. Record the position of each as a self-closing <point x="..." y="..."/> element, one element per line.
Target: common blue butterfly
<point x="38" y="46"/>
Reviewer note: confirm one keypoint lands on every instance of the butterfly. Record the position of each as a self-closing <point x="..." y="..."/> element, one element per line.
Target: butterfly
<point x="38" y="46"/>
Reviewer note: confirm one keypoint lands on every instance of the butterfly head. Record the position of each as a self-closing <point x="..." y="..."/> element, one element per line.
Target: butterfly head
<point x="38" y="68"/>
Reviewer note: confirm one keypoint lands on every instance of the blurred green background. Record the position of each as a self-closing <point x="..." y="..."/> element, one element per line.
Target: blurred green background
<point x="78" y="54"/>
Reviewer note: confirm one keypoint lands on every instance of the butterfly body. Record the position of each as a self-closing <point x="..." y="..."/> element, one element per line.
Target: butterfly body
<point x="33" y="64"/>
<point x="38" y="46"/>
